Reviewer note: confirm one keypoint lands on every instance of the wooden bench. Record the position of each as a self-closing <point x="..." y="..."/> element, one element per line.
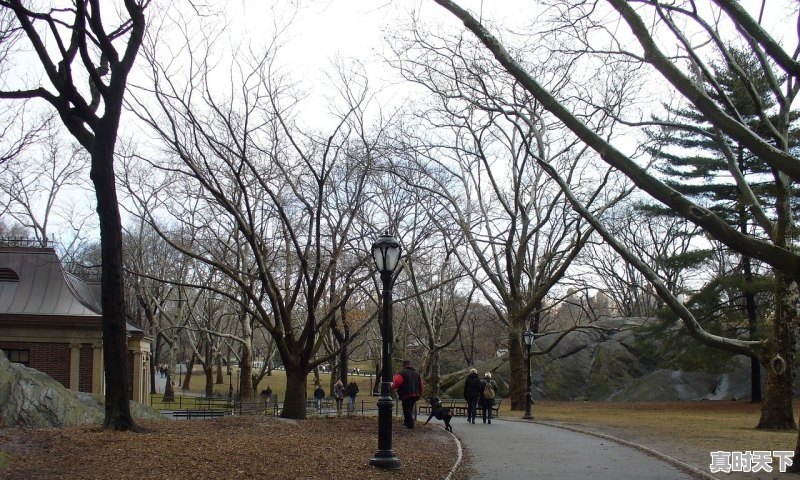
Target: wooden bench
<point x="458" y="407"/>
<point x="202" y="413"/>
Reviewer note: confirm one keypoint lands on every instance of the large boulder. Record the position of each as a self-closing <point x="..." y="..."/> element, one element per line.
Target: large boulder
<point x="672" y="385"/>
<point x="31" y="398"/>
<point x="615" y="360"/>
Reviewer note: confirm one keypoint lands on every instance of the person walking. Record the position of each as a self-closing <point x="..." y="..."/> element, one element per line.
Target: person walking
<point x="352" y="391"/>
<point x="319" y="394"/>
<point x="338" y="395"/>
<point x="268" y="395"/>
<point x="488" y="392"/>
<point x="408" y="384"/>
<point x="472" y="393"/>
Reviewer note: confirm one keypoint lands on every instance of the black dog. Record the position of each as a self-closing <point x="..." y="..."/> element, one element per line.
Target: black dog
<point x="440" y="412"/>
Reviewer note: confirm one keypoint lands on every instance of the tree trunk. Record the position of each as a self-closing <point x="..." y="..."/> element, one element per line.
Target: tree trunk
<point x="218" y="362"/>
<point x="246" y="372"/>
<point x="434" y="368"/>
<point x="153" y="367"/>
<point x="115" y="335"/>
<point x="776" y="411"/>
<point x="516" y="363"/>
<point x="154" y="361"/>
<point x="169" y="391"/>
<point x="187" y="378"/>
<point x="208" y="369"/>
<point x="294" y="403"/>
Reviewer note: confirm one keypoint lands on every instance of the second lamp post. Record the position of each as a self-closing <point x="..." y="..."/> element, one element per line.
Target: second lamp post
<point x="528" y="337"/>
<point x="386" y="254"/>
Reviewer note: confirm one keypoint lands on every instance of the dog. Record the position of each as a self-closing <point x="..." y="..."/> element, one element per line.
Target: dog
<point x="440" y="412"/>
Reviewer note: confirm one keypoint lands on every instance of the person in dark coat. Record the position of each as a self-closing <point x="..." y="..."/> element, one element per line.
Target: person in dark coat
<point x="268" y="396"/>
<point x="319" y="395"/>
<point x="472" y="393"/>
<point x="352" y="391"/>
<point x="487" y="403"/>
<point x="409" y="385"/>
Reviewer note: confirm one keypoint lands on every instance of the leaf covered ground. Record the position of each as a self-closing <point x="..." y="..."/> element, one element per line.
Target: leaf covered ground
<point x="241" y="447"/>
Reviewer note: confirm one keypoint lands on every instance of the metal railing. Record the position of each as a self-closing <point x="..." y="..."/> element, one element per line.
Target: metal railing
<point x="185" y="406"/>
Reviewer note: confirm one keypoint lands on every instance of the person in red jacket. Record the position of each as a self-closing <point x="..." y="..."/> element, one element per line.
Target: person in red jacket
<point x="408" y="384"/>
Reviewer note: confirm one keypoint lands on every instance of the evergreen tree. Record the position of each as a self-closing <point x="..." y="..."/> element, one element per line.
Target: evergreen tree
<point x="699" y="161"/>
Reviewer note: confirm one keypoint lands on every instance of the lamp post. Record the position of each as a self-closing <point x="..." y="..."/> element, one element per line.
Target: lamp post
<point x="230" y="382"/>
<point x="386" y="254"/>
<point x="528" y="338"/>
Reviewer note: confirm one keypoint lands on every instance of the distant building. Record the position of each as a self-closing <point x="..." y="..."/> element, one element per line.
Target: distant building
<point x="50" y="320"/>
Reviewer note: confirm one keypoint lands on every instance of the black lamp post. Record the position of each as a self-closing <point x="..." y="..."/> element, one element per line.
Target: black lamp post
<point x="386" y="253"/>
<point x="230" y="382"/>
<point x="528" y="338"/>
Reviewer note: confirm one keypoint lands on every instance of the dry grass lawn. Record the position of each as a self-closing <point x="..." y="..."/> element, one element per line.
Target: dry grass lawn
<point x="687" y="431"/>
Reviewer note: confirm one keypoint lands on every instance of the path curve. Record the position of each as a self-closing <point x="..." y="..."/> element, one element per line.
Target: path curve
<point x="510" y="449"/>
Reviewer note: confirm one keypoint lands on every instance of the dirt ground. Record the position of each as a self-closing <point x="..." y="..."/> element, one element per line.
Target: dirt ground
<point x="232" y="447"/>
<point x="264" y="447"/>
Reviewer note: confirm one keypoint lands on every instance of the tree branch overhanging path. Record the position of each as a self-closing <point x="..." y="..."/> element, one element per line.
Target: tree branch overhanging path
<point x="775" y="246"/>
<point x="787" y="261"/>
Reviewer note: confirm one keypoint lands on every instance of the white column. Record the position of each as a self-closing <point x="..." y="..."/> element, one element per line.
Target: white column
<point x="137" y="377"/>
<point x="74" y="366"/>
<point x="98" y="382"/>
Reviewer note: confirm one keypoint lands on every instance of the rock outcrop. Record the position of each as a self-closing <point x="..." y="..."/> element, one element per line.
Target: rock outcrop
<point x="614" y="360"/>
<point x="31" y="398"/>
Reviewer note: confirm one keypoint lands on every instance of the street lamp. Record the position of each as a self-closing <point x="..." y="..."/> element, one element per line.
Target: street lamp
<point x="386" y="254"/>
<point x="230" y="382"/>
<point x="528" y="338"/>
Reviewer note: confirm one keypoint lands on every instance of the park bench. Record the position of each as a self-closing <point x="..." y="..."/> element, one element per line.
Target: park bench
<point x="457" y="407"/>
<point x="201" y="413"/>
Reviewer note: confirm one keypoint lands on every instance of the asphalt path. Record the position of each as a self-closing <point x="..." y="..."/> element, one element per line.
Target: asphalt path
<point x="522" y="450"/>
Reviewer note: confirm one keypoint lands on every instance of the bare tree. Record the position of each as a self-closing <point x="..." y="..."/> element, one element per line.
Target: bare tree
<point x="439" y="299"/>
<point x="660" y="241"/>
<point x="31" y="186"/>
<point x="290" y="197"/>
<point x="478" y="157"/>
<point x="774" y="241"/>
<point x="71" y="44"/>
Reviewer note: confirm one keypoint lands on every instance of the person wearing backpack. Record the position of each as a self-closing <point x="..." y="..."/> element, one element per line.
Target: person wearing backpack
<point x="472" y="394"/>
<point x="488" y="392"/>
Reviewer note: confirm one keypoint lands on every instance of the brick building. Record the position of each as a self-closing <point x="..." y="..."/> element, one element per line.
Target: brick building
<point x="50" y="320"/>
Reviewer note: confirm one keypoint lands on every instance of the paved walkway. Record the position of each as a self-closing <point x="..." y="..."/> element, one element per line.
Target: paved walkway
<point x="509" y="449"/>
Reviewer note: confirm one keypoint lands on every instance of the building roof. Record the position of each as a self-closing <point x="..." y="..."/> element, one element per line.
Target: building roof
<point x="42" y="287"/>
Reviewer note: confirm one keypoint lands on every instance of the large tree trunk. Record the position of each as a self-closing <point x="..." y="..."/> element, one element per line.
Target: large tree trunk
<point x="115" y="336"/>
<point x="246" y="372"/>
<point x="220" y="376"/>
<point x="208" y="369"/>
<point x="776" y="411"/>
<point x="294" y="403"/>
<point x="434" y="371"/>
<point x="187" y="378"/>
<point x="169" y="391"/>
<point x="516" y="363"/>
<point x="155" y="361"/>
